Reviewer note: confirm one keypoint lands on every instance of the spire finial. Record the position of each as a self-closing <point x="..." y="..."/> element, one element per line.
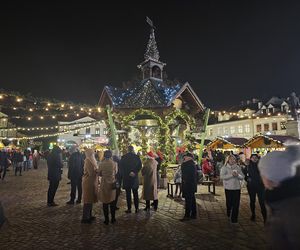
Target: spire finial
<point x="151" y="51"/>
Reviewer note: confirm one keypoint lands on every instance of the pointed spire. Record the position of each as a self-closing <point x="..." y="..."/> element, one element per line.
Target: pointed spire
<point x="152" y="51"/>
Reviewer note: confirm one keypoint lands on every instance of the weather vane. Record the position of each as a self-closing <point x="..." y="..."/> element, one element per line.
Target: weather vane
<point x="149" y="21"/>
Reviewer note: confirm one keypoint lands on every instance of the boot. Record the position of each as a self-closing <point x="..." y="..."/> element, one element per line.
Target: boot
<point x="105" y="211"/>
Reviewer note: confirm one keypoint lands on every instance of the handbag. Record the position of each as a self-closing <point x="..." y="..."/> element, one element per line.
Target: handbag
<point x="115" y="185"/>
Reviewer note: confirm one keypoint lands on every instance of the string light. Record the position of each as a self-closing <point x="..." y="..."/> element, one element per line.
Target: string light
<point x="30" y="109"/>
<point x="71" y="107"/>
<point x="1" y="96"/>
<point x="42" y="117"/>
<point x="49" y="104"/>
<point x="29" y="118"/>
<point x="19" y="99"/>
<point x="53" y="117"/>
<point x="63" y="105"/>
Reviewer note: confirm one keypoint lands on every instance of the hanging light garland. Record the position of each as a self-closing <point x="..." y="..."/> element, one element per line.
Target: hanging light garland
<point x="75" y="125"/>
<point x="51" y="135"/>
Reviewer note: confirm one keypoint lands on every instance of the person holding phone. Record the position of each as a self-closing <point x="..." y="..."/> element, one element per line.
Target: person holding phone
<point x="231" y="174"/>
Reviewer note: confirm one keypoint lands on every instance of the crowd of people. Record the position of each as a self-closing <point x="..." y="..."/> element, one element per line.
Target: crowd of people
<point x="20" y="160"/>
<point x="274" y="179"/>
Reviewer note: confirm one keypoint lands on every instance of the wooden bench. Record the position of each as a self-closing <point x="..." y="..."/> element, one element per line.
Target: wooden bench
<point x="171" y="189"/>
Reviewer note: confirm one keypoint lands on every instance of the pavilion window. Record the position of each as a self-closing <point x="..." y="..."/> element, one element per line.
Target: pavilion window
<point x="258" y="128"/>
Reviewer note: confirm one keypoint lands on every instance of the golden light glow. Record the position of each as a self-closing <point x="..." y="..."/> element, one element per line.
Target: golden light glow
<point x="19" y="99"/>
<point x="49" y="104"/>
<point x="30" y="109"/>
<point x="66" y="115"/>
<point x="81" y="109"/>
<point x="63" y="105"/>
<point x="29" y="118"/>
<point x="53" y="117"/>
<point x="47" y="109"/>
<point x="42" y="117"/>
<point x="71" y="107"/>
<point x="1" y="96"/>
<point x="14" y="108"/>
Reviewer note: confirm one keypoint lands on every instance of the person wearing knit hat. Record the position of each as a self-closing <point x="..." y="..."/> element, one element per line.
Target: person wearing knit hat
<point x="280" y="174"/>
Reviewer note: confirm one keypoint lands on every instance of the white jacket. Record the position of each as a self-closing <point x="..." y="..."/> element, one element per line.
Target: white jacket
<point x="231" y="182"/>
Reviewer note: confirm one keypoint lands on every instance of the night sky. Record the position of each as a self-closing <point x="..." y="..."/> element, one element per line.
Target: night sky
<point x="227" y="50"/>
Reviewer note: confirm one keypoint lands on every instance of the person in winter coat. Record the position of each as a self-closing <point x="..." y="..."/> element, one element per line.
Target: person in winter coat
<point x="150" y="181"/>
<point x="89" y="183"/>
<point x="36" y="159"/>
<point x="75" y="173"/>
<point x="280" y="172"/>
<point x="255" y="187"/>
<point x="231" y="174"/>
<point x="107" y="193"/>
<point x="4" y="162"/>
<point x="55" y="165"/>
<point x="18" y="159"/>
<point x="207" y="167"/>
<point x="189" y="186"/>
<point x="130" y="166"/>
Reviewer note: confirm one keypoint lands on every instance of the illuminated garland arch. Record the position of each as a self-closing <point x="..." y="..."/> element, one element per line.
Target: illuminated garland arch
<point x="164" y="131"/>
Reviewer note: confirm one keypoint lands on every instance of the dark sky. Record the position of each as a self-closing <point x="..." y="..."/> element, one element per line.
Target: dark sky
<point x="227" y="50"/>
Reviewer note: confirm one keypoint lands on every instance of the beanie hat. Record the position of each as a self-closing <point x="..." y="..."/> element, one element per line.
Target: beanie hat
<point x="278" y="166"/>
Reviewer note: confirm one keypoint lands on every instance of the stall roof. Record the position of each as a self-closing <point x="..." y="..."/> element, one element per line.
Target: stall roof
<point x="267" y="141"/>
<point x="232" y="142"/>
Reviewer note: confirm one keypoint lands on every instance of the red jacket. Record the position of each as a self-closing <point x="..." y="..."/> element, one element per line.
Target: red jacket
<point x="207" y="167"/>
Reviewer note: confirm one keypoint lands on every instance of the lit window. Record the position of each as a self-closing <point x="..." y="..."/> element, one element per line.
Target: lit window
<point x="247" y="128"/>
<point x="87" y="131"/>
<point x="105" y="131"/>
<point x="97" y="131"/>
<point x="283" y="125"/>
<point x="240" y="129"/>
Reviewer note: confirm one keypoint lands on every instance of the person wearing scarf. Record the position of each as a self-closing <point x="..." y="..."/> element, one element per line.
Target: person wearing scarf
<point x="89" y="185"/>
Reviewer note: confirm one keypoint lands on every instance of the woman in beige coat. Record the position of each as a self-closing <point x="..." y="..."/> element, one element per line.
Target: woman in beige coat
<point x="150" y="181"/>
<point x="107" y="193"/>
<point x="89" y="185"/>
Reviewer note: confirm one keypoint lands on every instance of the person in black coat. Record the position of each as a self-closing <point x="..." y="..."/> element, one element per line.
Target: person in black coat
<point x="189" y="186"/>
<point x="18" y="159"/>
<point x="3" y="164"/>
<point x="255" y="187"/>
<point x="54" y="162"/>
<point x="130" y="166"/>
<point x="75" y="173"/>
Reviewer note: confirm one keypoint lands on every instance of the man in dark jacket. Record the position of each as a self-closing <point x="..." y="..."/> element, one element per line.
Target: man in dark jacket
<point x="3" y="164"/>
<point x="75" y="174"/>
<point x="55" y="165"/>
<point x="189" y="186"/>
<point x="130" y="166"/>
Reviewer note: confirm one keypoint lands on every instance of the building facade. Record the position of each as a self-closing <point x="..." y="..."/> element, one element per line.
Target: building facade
<point x="84" y="131"/>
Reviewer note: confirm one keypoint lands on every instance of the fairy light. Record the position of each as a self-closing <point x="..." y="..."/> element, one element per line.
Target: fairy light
<point x="30" y="109"/>
<point x="29" y="118"/>
<point x="46" y="109"/>
<point x="19" y="99"/>
<point x="71" y="107"/>
<point x="49" y="104"/>
<point x="14" y="108"/>
<point x="42" y="117"/>
<point x="81" y="109"/>
<point x="90" y="110"/>
<point x="53" y="117"/>
<point x="1" y="96"/>
<point x="63" y="105"/>
<point x="77" y="114"/>
<point x="66" y="115"/>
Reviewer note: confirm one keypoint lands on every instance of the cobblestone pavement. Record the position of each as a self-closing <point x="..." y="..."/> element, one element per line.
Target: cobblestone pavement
<point x="33" y="225"/>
